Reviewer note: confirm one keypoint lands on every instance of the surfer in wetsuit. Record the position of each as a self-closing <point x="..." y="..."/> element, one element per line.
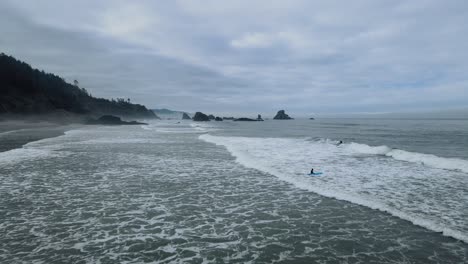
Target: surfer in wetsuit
<point x="312" y="171"/>
<point x="339" y="143"/>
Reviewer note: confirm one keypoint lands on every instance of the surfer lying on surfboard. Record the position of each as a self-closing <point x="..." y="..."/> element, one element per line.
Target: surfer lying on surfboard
<point x="314" y="173"/>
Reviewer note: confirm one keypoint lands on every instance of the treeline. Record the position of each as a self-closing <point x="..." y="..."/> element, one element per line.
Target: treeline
<point x="24" y="90"/>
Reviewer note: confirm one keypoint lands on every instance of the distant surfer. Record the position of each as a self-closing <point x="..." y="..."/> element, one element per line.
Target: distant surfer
<point x="340" y="142"/>
<point x="312" y="171"/>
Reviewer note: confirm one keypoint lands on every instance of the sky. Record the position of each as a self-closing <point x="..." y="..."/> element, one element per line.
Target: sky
<point x="307" y="57"/>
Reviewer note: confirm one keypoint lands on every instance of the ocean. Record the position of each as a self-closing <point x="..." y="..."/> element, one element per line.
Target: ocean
<point x="395" y="191"/>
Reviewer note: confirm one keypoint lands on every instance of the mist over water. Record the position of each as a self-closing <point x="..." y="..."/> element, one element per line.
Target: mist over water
<point x="238" y="192"/>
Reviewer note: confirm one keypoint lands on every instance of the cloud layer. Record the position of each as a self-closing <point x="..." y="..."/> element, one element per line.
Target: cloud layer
<point x="251" y="56"/>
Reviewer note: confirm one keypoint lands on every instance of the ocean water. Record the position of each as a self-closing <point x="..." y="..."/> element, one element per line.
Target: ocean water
<point x="396" y="191"/>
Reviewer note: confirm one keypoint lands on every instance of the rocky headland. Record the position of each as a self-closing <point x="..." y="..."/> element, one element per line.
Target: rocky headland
<point x="27" y="92"/>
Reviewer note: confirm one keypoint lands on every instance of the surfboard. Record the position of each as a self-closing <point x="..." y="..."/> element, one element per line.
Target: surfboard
<point x="315" y="173"/>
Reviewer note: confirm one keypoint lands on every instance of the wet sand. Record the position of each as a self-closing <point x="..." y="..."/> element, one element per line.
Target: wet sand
<point x="15" y="134"/>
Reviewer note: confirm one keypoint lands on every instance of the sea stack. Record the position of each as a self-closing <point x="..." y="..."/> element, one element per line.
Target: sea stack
<point x="185" y="116"/>
<point x="259" y="118"/>
<point x="218" y="118"/>
<point x="199" y="116"/>
<point x="281" y="115"/>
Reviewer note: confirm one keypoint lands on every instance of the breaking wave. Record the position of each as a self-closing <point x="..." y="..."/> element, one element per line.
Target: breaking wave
<point x="402" y="155"/>
<point x="402" y="185"/>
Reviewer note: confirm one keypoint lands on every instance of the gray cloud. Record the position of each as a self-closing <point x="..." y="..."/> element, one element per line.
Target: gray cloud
<point x="244" y="56"/>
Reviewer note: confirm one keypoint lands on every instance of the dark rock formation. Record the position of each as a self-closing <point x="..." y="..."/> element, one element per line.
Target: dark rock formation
<point x="259" y="118"/>
<point x="218" y="118"/>
<point x="199" y="116"/>
<point x="228" y="118"/>
<point x="185" y="116"/>
<point x="112" y="120"/>
<point x="245" y="119"/>
<point x="281" y="115"/>
<point x="211" y="117"/>
<point x="312" y="118"/>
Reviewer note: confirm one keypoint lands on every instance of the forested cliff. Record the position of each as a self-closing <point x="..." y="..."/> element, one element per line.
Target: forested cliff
<point x="27" y="91"/>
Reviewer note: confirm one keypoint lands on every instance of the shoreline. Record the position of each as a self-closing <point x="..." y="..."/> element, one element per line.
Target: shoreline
<point x="16" y="134"/>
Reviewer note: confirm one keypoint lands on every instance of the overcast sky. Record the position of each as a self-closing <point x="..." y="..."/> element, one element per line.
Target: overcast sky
<point x="251" y="56"/>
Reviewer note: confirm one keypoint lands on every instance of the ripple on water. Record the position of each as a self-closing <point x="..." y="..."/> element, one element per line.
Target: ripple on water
<point x="187" y="201"/>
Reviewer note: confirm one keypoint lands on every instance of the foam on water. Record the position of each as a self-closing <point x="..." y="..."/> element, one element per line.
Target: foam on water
<point x="125" y="195"/>
<point x="398" y="154"/>
<point x="204" y="127"/>
<point x="54" y="147"/>
<point x="179" y="127"/>
<point x="40" y="149"/>
<point x="15" y="156"/>
<point x="426" y="196"/>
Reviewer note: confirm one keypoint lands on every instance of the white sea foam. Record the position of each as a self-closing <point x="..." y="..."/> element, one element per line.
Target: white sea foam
<point x="179" y="131"/>
<point x="35" y="150"/>
<point x="204" y="127"/>
<point x="366" y="149"/>
<point x="180" y="127"/>
<point x="80" y="206"/>
<point x="146" y="127"/>
<point x="42" y="149"/>
<point x="426" y="196"/>
<point x="23" y="154"/>
<point x="125" y="141"/>
<point x="424" y="159"/>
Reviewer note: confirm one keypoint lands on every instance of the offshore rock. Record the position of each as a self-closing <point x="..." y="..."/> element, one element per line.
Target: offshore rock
<point x="199" y="116"/>
<point x="185" y="116"/>
<point x="111" y="120"/>
<point x="245" y="119"/>
<point x="281" y="115"/>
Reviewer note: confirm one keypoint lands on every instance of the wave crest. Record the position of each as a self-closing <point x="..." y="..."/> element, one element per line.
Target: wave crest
<point x="420" y="194"/>
<point x="415" y="157"/>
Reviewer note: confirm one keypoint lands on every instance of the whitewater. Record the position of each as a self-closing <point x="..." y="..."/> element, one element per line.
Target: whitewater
<point x="416" y="170"/>
<point x="361" y="174"/>
<point x="230" y="192"/>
